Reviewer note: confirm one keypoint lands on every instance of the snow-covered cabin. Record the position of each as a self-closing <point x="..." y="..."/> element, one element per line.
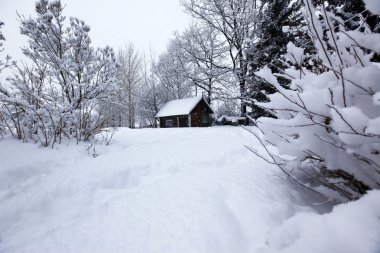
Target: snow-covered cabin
<point x="188" y="112"/>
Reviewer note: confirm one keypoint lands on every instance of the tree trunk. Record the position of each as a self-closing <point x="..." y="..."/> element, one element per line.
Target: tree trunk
<point x="243" y="107"/>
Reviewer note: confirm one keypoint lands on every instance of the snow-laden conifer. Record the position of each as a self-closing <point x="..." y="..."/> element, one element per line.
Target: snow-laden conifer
<point x="327" y="131"/>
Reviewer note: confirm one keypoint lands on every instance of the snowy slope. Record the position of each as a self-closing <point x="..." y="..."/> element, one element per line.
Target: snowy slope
<point x="154" y="190"/>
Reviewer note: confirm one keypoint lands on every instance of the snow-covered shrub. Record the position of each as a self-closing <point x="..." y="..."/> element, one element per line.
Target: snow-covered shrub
<point x="328" y="127"/>
<point x="58" y="95"/>
<point x="103" y="138"/>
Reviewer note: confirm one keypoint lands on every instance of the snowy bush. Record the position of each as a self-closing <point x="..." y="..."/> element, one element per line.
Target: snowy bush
<point x="328" y="127"/>
<point x="58" y="95"/>
<point x="104" y="138"/>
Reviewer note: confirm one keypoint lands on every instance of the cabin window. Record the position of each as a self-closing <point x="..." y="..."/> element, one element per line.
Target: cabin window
<point x="204" y="118"/>
<point x="169" y="123"/>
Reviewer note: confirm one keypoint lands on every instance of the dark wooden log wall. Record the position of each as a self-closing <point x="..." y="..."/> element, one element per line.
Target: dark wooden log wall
<point x="196" y="115"/>
<point x="182" y="119"/>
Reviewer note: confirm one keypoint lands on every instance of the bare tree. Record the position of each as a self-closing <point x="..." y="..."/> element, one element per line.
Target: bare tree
<point x="203" y="56"/>
<point x="234" y="20"/>
<point x="152" y="95"/>
<point x="169" y="71"/>
<point x="130" y="75"/>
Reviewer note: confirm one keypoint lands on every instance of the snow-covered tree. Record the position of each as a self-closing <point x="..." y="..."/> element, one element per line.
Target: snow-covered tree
<point x="1" y="33"/>
<point x="2" y="38"/>
<point x="327" y="134"/>
<point x="59" y="93"/>
<point x="278" y="22"/>
<point x="349" y="10"/>
<point x="2" y="65"/>
<point x="6" y="62"/>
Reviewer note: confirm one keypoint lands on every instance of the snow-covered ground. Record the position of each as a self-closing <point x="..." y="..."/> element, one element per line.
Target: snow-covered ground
<point x="166" y="190"/>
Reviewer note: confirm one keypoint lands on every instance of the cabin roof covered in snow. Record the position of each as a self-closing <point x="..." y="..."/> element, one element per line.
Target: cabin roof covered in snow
<point x="179" y="107"/>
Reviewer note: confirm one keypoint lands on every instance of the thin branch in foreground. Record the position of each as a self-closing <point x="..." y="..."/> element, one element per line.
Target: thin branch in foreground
<point x="279" y="165"/>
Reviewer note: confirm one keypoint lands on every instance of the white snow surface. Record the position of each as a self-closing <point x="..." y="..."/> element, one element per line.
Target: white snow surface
<point x="154" y="190"/>
<point x="349" y="228"/>
<point x="376" y="98"/>
<point x="165" y="190"/>
<point x="179" y="107"/>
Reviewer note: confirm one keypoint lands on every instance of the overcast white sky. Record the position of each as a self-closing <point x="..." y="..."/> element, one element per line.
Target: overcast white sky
<point x="147" y="23"/>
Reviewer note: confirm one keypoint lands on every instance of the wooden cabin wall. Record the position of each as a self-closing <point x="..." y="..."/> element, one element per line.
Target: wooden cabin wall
<point x="196" y="115"/>
<point x="181" y="119"/>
